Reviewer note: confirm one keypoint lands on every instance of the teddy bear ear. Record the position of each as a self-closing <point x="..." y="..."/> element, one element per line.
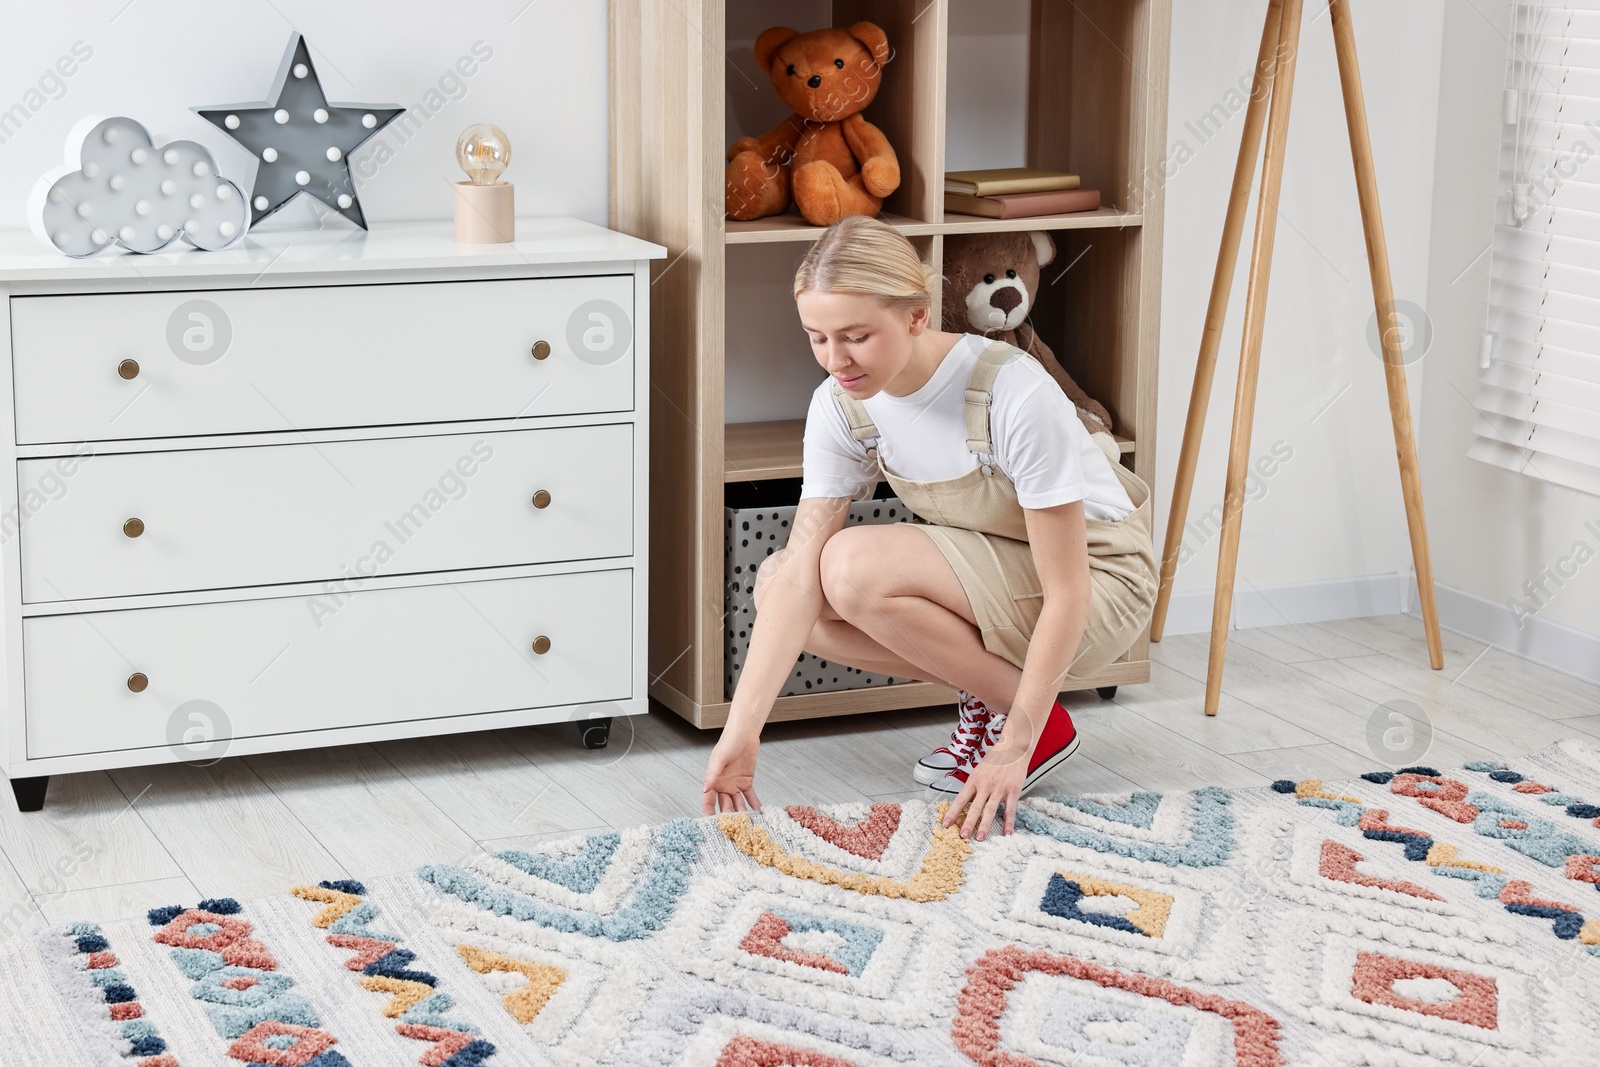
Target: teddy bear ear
<point x="770" y="41"/>
<point x="1043" y="245"/>
<point x="877" y="42"/>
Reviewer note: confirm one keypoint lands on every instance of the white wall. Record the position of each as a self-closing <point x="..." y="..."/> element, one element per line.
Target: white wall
<point x="1498" y="531"/>
<point x="1324" y="535"/>
<point x="544" y="83"/>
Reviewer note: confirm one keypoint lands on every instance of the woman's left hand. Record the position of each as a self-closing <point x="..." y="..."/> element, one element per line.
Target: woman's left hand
<point x="996" y="779"/>
<point x="730" y="781"/>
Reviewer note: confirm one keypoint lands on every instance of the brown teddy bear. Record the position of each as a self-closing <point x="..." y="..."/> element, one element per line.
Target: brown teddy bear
<point x="990" y="280"/>
<point x="827" y="77"/>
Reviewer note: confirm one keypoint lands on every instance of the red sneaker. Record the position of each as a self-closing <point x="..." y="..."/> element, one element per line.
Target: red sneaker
<point x="1058" y="741"/>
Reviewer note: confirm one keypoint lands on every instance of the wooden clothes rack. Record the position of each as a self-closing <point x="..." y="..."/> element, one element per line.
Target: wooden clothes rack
<point x="1274" y="81"/>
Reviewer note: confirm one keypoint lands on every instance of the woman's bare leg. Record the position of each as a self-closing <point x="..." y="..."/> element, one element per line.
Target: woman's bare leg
<point x="840" y="642"/>
<point x="892" y="585"/>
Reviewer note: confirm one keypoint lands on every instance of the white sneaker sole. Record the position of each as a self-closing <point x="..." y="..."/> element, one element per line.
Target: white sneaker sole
<point x="1050" y="764"/>
<point x="925" y="775"/>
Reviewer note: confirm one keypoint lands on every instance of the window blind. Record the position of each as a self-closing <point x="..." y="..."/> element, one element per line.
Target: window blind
<point x="1538" y="389"/>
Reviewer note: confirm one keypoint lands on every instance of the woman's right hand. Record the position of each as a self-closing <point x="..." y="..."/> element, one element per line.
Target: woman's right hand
<point x="731" y="774"/>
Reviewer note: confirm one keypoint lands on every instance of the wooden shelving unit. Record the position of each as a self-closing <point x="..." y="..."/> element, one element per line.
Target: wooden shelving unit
<point x="1096" y="105"/>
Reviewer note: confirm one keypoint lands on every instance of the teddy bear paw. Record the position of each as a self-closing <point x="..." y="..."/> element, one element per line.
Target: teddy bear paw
<point x="880" y="176"/>
<point x="754" y="189"/>
<point x="824" y="196"/>
<point x="818" y="189"/>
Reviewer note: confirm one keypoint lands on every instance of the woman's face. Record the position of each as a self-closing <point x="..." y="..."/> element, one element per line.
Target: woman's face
<point x="859" y="341"/>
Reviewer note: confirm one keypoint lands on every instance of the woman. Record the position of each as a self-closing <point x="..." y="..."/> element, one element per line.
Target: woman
<point x="1029" y="558"/>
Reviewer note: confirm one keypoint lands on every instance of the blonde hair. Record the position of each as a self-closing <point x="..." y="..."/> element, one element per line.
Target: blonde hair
<point x="863" y="254"/>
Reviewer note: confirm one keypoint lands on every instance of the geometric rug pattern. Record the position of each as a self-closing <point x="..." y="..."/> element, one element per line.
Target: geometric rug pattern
<point x="1410" y="916"/>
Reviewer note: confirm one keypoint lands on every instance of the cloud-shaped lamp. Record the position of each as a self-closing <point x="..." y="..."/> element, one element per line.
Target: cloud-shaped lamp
<point x="118" y="188"/>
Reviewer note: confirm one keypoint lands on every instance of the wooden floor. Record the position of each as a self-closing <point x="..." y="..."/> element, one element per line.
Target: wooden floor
<point x="1297" y="701"/>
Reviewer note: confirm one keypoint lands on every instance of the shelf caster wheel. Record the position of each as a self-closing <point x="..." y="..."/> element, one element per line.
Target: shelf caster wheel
<point x="595" y="732"/>
<point x="30" y="792"/>
<point x="1106" y="691"/>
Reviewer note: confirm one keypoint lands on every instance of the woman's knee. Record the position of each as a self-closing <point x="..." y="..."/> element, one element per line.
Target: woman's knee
<point x="846" y="572"/>
<point x="767" y="571"/>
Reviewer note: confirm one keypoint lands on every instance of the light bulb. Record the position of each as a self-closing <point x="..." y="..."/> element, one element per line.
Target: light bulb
<point x="483" y="152"/>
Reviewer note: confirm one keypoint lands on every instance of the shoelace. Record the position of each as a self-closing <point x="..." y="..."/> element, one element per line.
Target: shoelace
<point x="970" y="728"/>
<point x="993" y="724"/>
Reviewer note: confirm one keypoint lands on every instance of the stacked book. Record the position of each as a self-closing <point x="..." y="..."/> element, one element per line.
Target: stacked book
<point x="1015" y="193"/>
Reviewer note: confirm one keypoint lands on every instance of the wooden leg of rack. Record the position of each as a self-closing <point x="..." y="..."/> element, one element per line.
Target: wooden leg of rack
<point x="1244" y="170"/>
<point x="1244" y="403"/>
<point x="1394" y="372"/>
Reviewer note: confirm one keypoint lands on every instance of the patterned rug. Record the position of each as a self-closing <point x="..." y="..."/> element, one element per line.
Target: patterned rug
<point x="1419" y="916"/>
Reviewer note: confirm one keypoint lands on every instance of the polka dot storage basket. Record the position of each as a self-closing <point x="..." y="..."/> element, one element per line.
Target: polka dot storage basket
<point x="756" y="529"/>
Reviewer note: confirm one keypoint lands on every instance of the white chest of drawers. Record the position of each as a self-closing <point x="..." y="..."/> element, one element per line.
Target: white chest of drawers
<point x="318" y="489"/>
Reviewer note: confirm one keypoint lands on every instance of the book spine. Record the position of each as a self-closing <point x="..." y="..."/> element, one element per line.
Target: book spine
<point x="1025" y="185"/>
<point x="1067" y="202"/>
<point x="1021" y="207"/>
<point x="962" y="204"/>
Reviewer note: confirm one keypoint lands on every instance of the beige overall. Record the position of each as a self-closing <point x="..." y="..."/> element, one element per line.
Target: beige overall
<point x="980" y="527"/>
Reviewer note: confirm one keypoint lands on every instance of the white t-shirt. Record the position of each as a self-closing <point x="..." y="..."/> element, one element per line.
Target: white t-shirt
<point x="1039" y="441"/>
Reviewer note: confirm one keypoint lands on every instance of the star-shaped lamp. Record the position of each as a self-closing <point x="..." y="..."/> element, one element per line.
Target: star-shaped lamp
<point x="301" y="142"/>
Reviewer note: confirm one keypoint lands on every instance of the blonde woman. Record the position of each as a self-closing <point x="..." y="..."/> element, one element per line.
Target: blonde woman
<point x="1029" y="557"/>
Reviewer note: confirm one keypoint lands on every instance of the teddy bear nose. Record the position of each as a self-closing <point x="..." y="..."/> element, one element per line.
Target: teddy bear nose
<point x="1005" y="298"/>
<point x="814" y="81"/>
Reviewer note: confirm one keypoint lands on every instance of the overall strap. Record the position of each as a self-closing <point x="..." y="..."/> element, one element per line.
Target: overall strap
<point x="980" y="393"/>
<point x="855" y="414"/>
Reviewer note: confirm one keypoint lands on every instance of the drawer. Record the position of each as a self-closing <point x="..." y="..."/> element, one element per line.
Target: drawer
<point x="342" y="511"/>
<point x="249" y="360"/>
<point x="282" y="665"/>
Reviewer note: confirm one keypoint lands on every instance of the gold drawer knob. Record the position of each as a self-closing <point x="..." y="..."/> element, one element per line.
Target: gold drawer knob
<point x="133" y="527"/>
<point x="137" y="682"/>
<point x="128" y="368"/>
<point x="541" y="499"/>
<point x="541" y="349"/>
<point x="541" y="644"/>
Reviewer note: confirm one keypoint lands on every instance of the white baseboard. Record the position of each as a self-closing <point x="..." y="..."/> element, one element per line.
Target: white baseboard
<point x="1344" y="598"/>
<point x="1547" y="643"/>
<point x="1550" y="644"/>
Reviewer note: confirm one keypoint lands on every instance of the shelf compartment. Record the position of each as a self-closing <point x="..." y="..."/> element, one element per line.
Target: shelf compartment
<point x="1076" y="94"/>
<point x="907" y="107"/>
<point x="1091" y="311"/>
<point x="761" y="451"/>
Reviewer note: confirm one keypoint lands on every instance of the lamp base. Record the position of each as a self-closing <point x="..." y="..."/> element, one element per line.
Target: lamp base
<point x="484" y="213"/>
